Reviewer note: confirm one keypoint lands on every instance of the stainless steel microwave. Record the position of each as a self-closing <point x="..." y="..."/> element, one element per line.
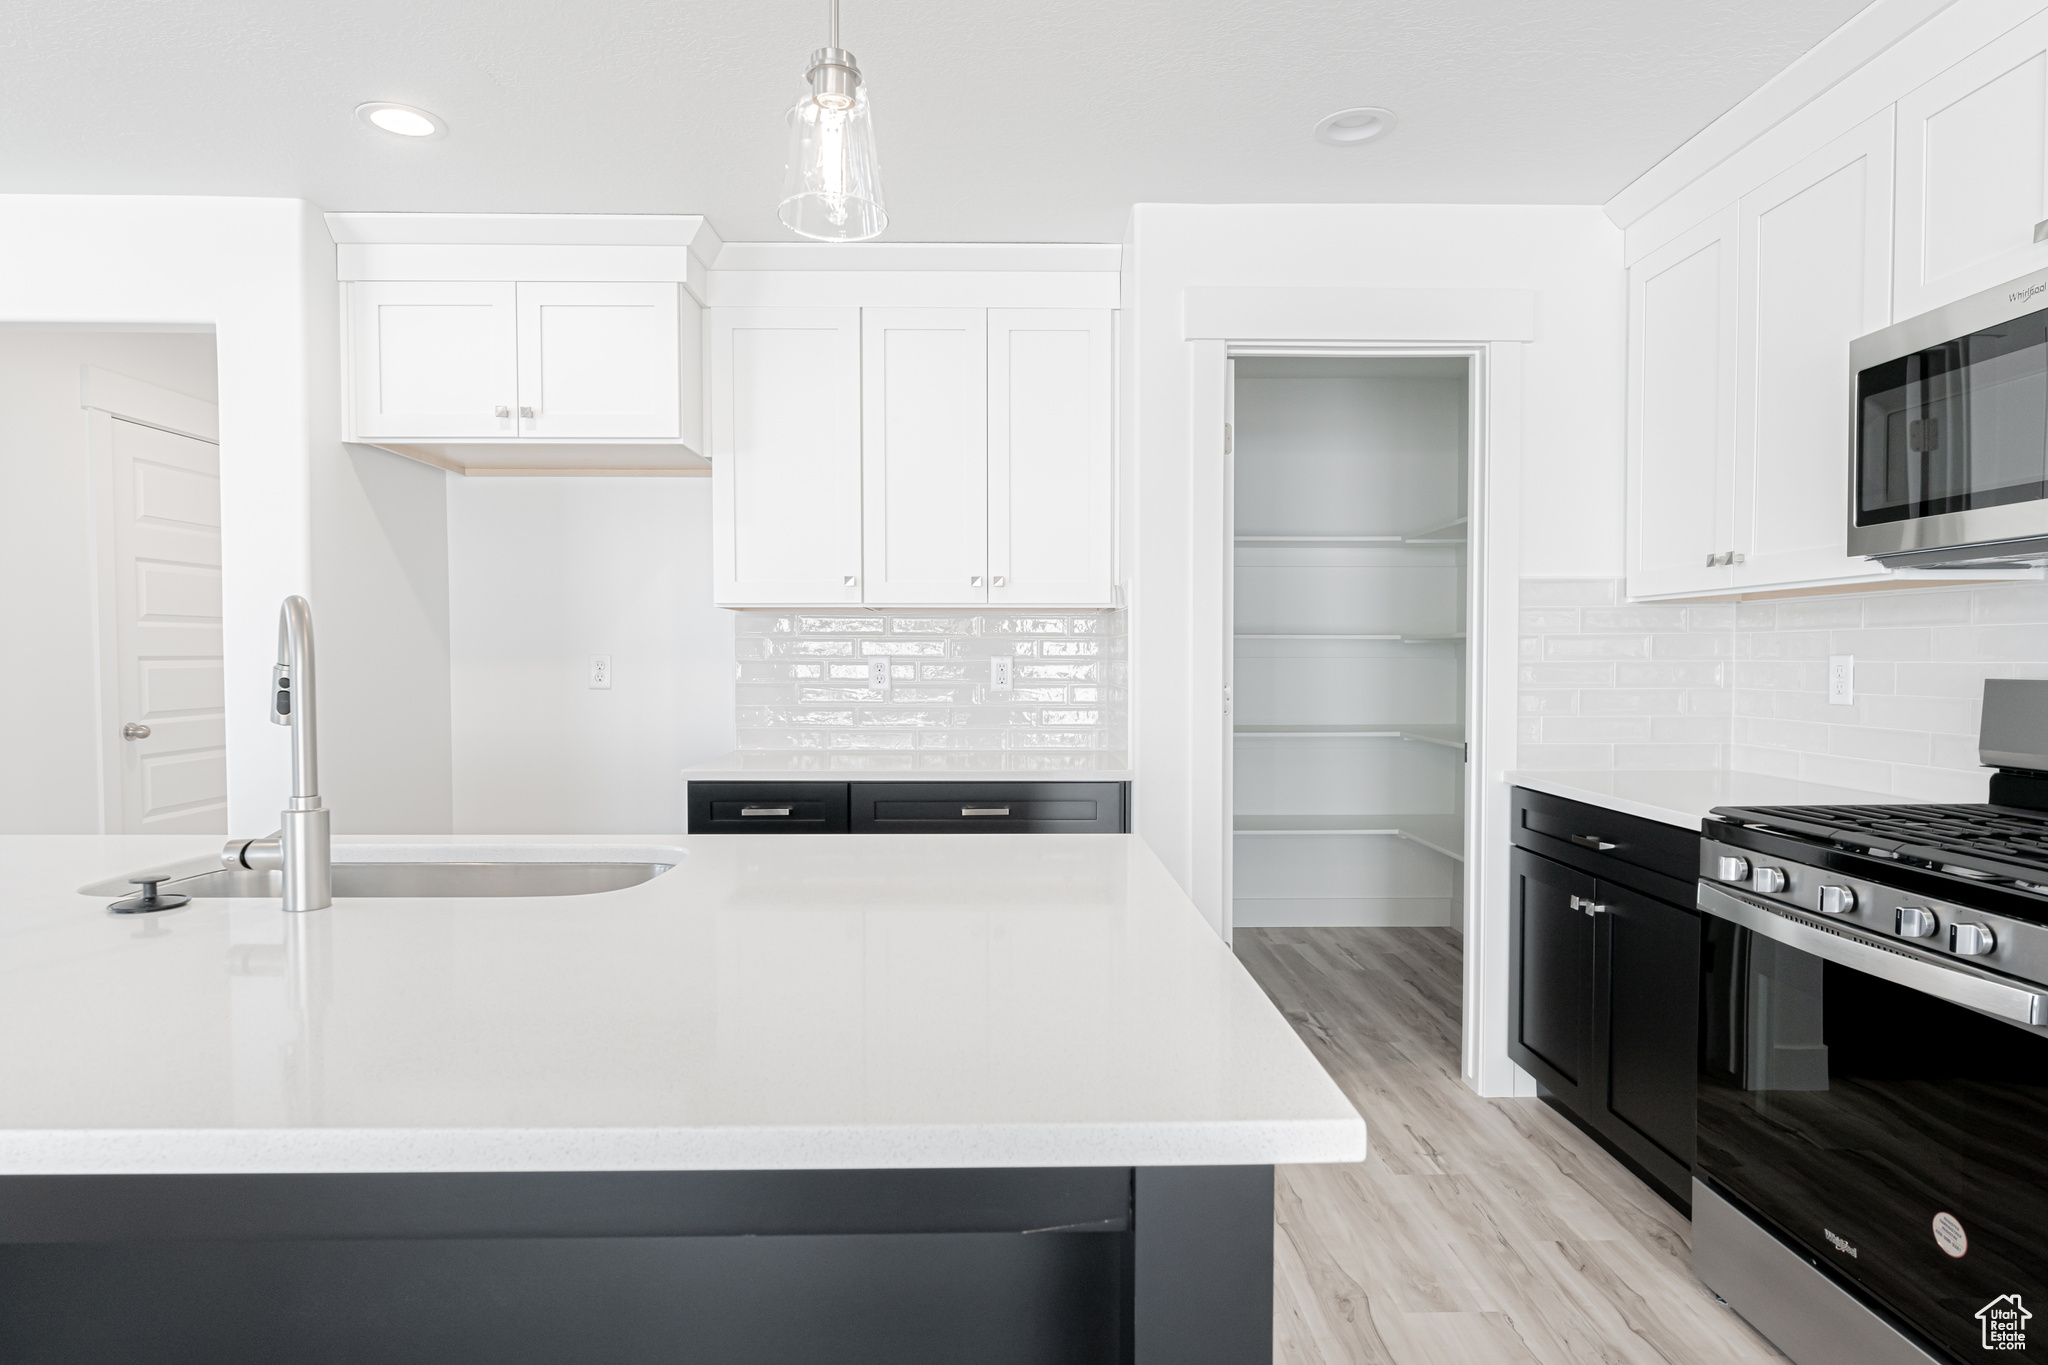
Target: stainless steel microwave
<point x="1950" y="467"/>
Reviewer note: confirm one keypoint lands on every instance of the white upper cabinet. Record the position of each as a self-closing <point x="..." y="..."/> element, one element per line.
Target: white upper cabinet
<point x="924" y="454"/>
<point x="785" y="456"/>
<point x="1815" y="274"/>
<point x="433" y="361"/>
<point x="463" y="360"/>
<point x="1051" y="461"/>
<point x="1681" y="412"/>
<point x="1973" y="173"/>
<point x="597" y="361"/>
<point x="913" y="456"/>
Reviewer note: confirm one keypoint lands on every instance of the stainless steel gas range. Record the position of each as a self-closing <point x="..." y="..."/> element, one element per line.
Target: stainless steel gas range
<point x="1871" y="1183"/>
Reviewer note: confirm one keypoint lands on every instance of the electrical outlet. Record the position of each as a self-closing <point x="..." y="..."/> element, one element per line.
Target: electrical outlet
<point x="878" y="674"/>
<point x="601" y="672"/>
<point x="999" y="673"/>
<point x="1841" y="680"/>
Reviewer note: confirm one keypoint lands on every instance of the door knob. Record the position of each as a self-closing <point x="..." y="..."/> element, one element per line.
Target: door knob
<point x="134" y="730"/>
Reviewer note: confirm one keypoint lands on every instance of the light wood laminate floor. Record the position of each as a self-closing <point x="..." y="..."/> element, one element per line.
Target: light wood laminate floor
<point x="1476" y="1230"/>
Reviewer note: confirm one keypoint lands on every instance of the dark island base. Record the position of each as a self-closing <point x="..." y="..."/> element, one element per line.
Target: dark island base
<point x="1154" y="1266"/>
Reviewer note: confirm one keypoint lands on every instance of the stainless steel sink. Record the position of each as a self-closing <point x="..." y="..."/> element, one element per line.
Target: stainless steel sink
<point x="433" y="879"/>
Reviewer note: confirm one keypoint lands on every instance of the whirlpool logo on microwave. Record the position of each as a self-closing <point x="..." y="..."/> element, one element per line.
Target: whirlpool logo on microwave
<point x="2022" y="295"/>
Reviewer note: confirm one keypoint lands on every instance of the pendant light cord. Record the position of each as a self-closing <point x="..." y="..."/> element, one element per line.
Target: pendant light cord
<point x="834" y="42"/>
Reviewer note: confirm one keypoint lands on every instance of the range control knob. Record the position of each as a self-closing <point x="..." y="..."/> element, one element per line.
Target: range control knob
<point x="1729" y="868"/>
<point x="1971" y="940"/>
<point x="1768" y="879"/>
<point x="1915" y="921"/>
<point x="1837" y="900"/>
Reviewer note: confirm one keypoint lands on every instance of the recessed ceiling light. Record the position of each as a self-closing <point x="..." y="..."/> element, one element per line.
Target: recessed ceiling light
<point x="1348" y="127"/>
<point x="401" y="119"/>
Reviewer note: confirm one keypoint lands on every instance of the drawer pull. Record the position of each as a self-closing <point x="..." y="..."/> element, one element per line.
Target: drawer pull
<point x="1593" y="841"/>
<point x="764" y="810"/>
<point x="984" y="810"/>
<point x="1590" y="907"/>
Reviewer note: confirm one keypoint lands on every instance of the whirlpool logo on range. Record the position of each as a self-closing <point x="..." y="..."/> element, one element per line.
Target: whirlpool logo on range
<point x="2005" y="1323"/>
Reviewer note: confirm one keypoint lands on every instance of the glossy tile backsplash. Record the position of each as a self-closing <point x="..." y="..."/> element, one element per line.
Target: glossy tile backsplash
<point x="1606" y="683"/>
<point x="804" y="685"/>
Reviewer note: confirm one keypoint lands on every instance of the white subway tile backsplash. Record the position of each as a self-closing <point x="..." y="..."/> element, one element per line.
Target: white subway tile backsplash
<point x="1570" y="592"/>
<point x="1595" y="729"/>
<point x="1745" y="683"/>
<point x="804" y="684"/>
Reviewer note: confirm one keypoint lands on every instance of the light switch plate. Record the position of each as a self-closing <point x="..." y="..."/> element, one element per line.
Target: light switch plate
<point x="601" y="672"/>
<point x="999" y="673"/>
<point x="1841" y="680"/>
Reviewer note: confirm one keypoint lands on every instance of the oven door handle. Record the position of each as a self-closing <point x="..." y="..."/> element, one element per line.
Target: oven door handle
<point x="1957" y="984"/>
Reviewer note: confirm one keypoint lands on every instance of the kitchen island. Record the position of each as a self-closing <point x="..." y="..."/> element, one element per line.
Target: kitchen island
<point x="896" y="1098"/>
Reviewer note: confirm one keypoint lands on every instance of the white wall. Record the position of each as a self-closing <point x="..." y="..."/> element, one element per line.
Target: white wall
<point x="380" y="598"/>
<point x="1572" y="404"/>
<point x="544" y="573"/>
<point x="261" y="273"/>
<point x="50" y="682"/>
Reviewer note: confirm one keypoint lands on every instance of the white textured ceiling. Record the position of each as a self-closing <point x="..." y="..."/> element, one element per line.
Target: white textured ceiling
<point x="1041" y="121"/>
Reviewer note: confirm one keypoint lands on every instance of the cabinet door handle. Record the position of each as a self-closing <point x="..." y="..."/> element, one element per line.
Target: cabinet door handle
<point x="1590" y="907"/>
<point x="974" y="580"/>
<point x="764" y="810"/>
<point x="999" y="580"/>
<point x="503" y="411"/>
<point x="851" y="580"/>
<point x="984" y="810"/>
<point x="1593" y="841"/>
<point x="526" y="412"/>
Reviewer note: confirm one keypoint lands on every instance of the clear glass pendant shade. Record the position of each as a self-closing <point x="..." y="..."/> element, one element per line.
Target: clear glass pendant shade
<point x="832" y="180"/>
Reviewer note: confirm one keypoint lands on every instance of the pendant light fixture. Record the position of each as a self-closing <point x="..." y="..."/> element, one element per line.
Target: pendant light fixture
<point x="832" y="181"/>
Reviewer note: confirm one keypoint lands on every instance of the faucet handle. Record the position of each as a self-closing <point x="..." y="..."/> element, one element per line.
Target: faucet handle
<point x="281" y="694"/>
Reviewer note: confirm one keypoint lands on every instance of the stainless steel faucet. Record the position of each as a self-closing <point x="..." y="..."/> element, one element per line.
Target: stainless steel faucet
<point x="303" y="847"/>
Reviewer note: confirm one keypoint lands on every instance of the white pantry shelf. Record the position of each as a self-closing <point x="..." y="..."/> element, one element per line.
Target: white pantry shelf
<point x="1443" y="834"/>
<point x="1404" y="639"/>
<point x="1450" y="533"/>
<point x="1447" y="736"/>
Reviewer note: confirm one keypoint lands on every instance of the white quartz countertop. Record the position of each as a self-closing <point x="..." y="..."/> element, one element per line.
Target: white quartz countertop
<point x="752" y="765"/>
<point x="810" y="1001"/>
<point x="1685" y="798"/>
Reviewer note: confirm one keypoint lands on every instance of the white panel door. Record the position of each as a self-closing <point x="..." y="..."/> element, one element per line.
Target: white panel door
<point x="1973" y="173"/>
<point x="598" y="360"/>
<point x="1816" y="274"/>
<point x="1051" y="456"/>
<point x="159" y="515"/>
<point x="432" y="361"/>
<point x="785" y="456"/>
<point x="1681" y="419"/>
<point x="924" y="454"/>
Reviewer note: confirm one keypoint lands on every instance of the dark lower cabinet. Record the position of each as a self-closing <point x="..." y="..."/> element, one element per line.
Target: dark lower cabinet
<point x="768" y="808"/>
<point x="988" y="808"/>
<point x="909" y="807"/>
<point x="1551" y="1003"/>
<point x="1604" y="998"/>
<point x="1651" y="981"/>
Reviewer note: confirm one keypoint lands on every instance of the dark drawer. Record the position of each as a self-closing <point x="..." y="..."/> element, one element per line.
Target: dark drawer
<point x="1653" y="857"/>
<point x="988" y="808"/>
<point x="768" y="808"/>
